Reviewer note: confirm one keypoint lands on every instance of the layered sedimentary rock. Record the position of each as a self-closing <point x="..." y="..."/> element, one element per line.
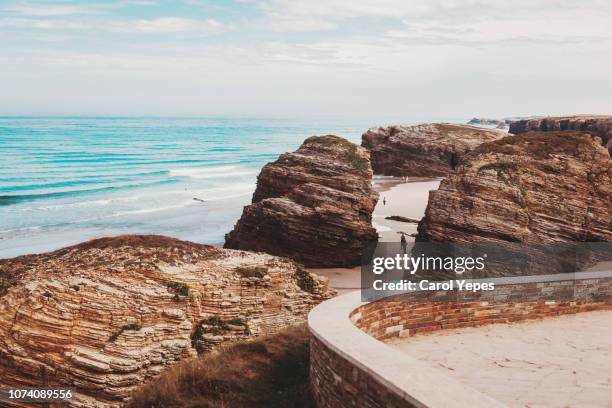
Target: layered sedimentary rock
<point x="486" y="121"/>
<point x="600" y="126"/>
<point x="431" y="150"/>
<point x="535" y="187"/>
<point x="108" y="314"/>
<point x="313" y="205"/>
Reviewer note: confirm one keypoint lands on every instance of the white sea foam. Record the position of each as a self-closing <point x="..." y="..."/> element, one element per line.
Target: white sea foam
<point x="227" y="197"/>
<point x="380" y="228"/>
<point x="212" y="172"/>
<point x="241" y="188"/>
<point x="144" y="211"/>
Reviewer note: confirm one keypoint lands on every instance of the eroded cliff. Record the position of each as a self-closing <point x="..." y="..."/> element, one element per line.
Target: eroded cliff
<point x="108" y="314"/>
<point x="600" y="126"/>
<point x="313" y="205"/>
<point x="431" y="150"/>
<point x="535" y="187"/>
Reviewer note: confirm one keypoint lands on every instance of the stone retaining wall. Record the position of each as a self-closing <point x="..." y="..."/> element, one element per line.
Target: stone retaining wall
<point x="413" y="313"/>
<point x="339" y="383"/>
<point x="350" y="368"/>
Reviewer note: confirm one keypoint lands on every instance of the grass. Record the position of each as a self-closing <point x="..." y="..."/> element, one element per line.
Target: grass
<point x="540" y="144"/>
<point x="326" y="141"/>
<point x="352" y="155"/>
<point x="356" y="160"/>
<point x="498" y="166"/>
<point x="270" y="371"/>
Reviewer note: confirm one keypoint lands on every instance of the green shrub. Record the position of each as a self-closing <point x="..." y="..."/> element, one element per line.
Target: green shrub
<point x="178" y="288"/>
<point x="498" y="166"/>
<point x="216" y="326"/>
<point x="236" y="321"/>
<point x="4" y="285"/>
<point x="305" y="280"/>
<point x="326" y="141"/>
<point x="355" y="159"/>
<point x="127" y="327"/>
<point x="252" y="271"/>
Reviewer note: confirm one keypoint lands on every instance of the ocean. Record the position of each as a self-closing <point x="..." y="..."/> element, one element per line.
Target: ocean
<point x="64" y="180"/>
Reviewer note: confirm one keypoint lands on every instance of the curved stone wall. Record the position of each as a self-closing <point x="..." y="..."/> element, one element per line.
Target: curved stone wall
<point x="351" y="365"/>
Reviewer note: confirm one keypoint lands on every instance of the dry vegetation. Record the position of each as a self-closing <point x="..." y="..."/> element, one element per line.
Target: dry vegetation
<point x="539" y="144"/>
<point x="270" y="371"/>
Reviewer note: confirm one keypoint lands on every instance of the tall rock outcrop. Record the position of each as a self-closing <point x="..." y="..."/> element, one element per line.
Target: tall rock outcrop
<point x="313" y="205"/>
<point x="106" y="315"/>
<point x="600" y="126"/>
<point x="431" y="150"/>
<point x="535" y="187"/>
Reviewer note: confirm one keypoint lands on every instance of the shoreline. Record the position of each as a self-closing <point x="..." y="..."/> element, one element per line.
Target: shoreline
<point x="406" y="197"/>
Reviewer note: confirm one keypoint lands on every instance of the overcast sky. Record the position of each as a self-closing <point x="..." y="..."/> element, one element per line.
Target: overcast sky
<point x="354" y="58"/>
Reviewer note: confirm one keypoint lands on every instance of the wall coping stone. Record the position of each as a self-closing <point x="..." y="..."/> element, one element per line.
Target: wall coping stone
<point x="415" y="381"/>
<point x="513" y="280"/>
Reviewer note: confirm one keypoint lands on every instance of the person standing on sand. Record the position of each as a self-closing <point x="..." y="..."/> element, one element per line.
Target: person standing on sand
<point x="403" y="243"/>
<point x="384" y="200"/>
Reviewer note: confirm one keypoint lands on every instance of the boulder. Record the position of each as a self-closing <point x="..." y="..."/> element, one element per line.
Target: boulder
<point x="313" y="205"/>
<point x="106" y="315"/>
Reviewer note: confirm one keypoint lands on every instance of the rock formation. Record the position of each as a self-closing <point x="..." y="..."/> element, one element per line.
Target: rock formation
<point x="486" y="121"/>
<point x="313" y="205"/>
<point x="600" y="126"/>
<point x="502" y="125"/>
<point x="536" y="187"/>
<point x="424" y="150"/>
<point x="106" y="315"/>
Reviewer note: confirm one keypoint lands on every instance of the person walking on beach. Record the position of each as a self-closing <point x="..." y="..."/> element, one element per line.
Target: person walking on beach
<point x="403" y="243"/>
<point x="384" y="200"/>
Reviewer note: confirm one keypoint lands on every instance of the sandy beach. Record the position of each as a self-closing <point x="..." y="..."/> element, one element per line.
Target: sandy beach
<point x="556" y="362"/>
<point x="401" y="198"/>
<point x="398" y="196"/>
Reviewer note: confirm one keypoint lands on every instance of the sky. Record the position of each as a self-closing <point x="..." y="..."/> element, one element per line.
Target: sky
<point x="351" y="58"/>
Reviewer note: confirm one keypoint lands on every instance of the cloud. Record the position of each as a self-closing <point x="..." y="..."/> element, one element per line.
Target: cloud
<point x="27" y="9"/>
<point x="300" y="24"/>
<point x="443" y="57"/>
<point x="426" y="9"/>
<point x="152" y="26"/>
<point x="470" y="21"/>
<point x="40" y="24"/>
<point x="168" y="25"/>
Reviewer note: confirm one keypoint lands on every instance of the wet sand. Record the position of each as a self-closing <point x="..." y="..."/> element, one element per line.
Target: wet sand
<point x="406" y="198"/>
<point x="563" y="361"/>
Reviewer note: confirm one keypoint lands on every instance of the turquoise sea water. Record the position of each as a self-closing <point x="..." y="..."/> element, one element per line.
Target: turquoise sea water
<point x="64" y="180"/>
